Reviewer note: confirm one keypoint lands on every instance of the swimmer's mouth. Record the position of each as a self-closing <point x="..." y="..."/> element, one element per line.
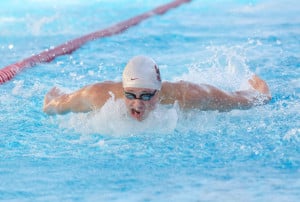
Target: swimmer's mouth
<point x="136" y="114"/>
<point x="133" y="111"/>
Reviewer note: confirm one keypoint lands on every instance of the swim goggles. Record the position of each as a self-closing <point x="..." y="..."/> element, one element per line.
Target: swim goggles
<point x="143" y="97"/>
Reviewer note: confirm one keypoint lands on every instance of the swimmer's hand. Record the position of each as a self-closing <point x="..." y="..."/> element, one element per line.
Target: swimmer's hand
<point x="49" y="100"/>
<point x="260" y="86"/>
<point x="53" y="93"/>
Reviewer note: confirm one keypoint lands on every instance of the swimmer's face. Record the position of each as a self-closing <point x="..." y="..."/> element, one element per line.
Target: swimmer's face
<point x="140" y="101"/>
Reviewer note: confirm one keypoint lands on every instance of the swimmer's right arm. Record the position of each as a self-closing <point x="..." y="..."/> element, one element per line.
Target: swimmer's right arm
<point x="57" y="102"/>
<point x="84" y="100"/>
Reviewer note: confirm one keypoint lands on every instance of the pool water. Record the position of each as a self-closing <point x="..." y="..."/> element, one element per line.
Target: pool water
<point x="241" y="155"/>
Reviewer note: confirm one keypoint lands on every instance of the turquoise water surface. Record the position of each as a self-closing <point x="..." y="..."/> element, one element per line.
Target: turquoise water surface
<point x="241" y="155"/>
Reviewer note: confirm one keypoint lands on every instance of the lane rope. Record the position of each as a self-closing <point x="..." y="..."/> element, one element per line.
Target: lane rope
<point x="8" y="72"/>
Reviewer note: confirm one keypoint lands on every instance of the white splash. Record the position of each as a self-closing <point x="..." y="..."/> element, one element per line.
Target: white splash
<point x="36" y="25"/>
<point x="224" y="67"/>
<point x="293" y="133"/>
<point x="112" y="119"/>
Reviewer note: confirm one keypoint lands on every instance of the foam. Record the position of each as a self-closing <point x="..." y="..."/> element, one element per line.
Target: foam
<point x="224" y="67"/>
<point x="112" y="119"/>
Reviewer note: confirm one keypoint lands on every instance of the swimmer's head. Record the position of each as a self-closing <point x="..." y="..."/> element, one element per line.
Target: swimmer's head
<point x="141" y="72"/>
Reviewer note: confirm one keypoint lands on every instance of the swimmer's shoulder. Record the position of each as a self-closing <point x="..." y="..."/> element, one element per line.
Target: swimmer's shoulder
<point x="168" y="86"/>
<point x="104" y="86"/>
<point x="182" y="85"/>
<point x="99" y="93"/>
<point x="170" y="92"/>
<point x="179" y="91"/>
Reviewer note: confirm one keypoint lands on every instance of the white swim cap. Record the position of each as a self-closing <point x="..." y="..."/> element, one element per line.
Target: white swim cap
<point x="141" y="72"/>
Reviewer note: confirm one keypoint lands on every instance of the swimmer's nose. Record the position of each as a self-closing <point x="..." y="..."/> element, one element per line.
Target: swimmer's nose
<point x="138" y="104"/>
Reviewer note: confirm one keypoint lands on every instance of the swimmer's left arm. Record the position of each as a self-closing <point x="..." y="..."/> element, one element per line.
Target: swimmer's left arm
<point x="207" y="97"/>
<point x="86" y="99"/>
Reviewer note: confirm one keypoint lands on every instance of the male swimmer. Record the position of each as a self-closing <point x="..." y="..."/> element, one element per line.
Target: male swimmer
<point x="142" y="90"/>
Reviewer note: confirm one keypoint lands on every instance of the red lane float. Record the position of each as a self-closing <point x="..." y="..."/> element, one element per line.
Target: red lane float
<point x="8" y="72"/>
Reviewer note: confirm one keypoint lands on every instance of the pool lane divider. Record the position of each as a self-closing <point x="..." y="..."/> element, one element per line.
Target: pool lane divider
<point x="8" y="72"/>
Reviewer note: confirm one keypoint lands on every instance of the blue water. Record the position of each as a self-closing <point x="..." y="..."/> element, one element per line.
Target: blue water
<point x="241" y="155"/>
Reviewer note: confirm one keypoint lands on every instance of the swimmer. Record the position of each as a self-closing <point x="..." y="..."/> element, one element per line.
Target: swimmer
<point x="142" y="90"/>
